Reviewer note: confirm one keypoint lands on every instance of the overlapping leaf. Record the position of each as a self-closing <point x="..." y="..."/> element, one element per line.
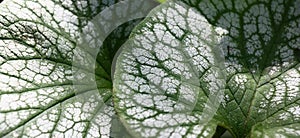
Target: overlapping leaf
<point x="38" y="96"/>
<point x="170" y="64"/>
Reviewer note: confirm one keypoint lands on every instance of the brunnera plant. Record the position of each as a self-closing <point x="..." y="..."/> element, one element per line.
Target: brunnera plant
<point x="192" y="68"/>
<point x="40" y="91"/>
<point x="171" y="60"/>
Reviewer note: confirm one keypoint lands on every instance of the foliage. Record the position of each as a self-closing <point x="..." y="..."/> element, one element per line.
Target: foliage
<point x="188" y="69"/>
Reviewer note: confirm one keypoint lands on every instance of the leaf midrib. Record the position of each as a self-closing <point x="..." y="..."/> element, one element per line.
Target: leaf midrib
<point x="269" y="57"/>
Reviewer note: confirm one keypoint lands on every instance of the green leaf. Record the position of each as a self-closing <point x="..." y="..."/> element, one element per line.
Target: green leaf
<point x="161" y="1"/>
<point x="42" y="59"/>
<point x="172" y="67"/>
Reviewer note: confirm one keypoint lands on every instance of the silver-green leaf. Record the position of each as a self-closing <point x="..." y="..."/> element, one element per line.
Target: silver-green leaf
<point x="172" y="66"/>
<point x="40" y="92"/>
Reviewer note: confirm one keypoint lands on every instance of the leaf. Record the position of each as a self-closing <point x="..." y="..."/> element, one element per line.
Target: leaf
<point x="41" y="44"/>
<point x="161" y="1"/>
<point x="171" y="69"/>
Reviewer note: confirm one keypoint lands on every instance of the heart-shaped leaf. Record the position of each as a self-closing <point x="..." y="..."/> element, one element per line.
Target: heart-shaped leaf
<point x="171" y="68"/>
<point x="40" y="91"/>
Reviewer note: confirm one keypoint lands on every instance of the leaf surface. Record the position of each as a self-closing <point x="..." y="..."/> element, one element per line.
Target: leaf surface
<point x="171" y="68"/>
<point x="41" y="94"/>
